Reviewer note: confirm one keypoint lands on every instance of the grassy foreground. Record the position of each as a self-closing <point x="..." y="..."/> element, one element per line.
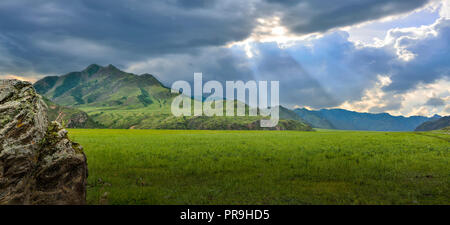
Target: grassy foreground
<point x="265" y="167"/>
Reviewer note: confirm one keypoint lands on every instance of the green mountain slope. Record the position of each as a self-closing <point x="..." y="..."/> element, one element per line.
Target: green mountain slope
<point x="103" y="87"/>
<point x="116" y="99"/>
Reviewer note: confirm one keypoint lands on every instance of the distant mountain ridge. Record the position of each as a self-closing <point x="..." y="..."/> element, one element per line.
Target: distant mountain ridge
<point x="350" y="120"/>
<point x="116" y="99"/>
<point x="434" y="124"/>
<point x="314" y="118"/>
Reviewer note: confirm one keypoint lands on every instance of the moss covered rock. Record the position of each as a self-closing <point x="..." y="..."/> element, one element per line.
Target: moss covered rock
<point x="38" y="162"/>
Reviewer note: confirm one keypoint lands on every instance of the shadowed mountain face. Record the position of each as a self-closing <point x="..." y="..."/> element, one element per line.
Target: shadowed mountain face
<point x="314" y="118"/>
<point x="116" y="99"/>
<point x="68" y="116"/>
<point x="349" y="120"/>
<point x="288" y="114"/>
<point x="436" y="124"/>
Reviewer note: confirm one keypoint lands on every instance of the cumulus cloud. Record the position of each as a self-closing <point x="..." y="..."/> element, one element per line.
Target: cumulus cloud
<point x="424" y="99"/>
<point x="447" y="110"/>
<point x="430" y="47"/>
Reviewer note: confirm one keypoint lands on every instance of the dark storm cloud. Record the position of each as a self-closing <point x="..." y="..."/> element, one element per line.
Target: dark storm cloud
<point x="46" y="36"/>
<point x="215" y="63"/>
<point x="196" y="3"/>
<point x="435" y="102"/>
<point x="316" y="16"/>
<point x="43" y="34"/>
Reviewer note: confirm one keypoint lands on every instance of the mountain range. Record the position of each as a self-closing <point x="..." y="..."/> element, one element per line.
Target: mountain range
<point x="115" y="99"/>
<point x="349" y="120"/>
<point x="106" y="97"/>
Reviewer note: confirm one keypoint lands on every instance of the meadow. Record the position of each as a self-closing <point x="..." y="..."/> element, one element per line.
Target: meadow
<point x="265" y="167"/>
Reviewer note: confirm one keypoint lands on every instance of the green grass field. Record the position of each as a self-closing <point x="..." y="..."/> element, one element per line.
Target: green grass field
<point x="266" y="167"/>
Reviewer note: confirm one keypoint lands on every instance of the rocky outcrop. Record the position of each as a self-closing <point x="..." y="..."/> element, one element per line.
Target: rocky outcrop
<point x="77" y="120"/>
<point x="70" y="117"/>
<point x="38" y="162"/>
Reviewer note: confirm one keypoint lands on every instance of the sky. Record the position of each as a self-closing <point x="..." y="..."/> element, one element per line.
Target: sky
<point x="364" y="55"/>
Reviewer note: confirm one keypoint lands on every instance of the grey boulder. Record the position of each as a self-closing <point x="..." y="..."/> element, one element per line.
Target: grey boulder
<point x="38" y="162"/>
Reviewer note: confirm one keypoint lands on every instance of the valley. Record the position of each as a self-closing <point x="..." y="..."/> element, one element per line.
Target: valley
<point x="265" y="167"/>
